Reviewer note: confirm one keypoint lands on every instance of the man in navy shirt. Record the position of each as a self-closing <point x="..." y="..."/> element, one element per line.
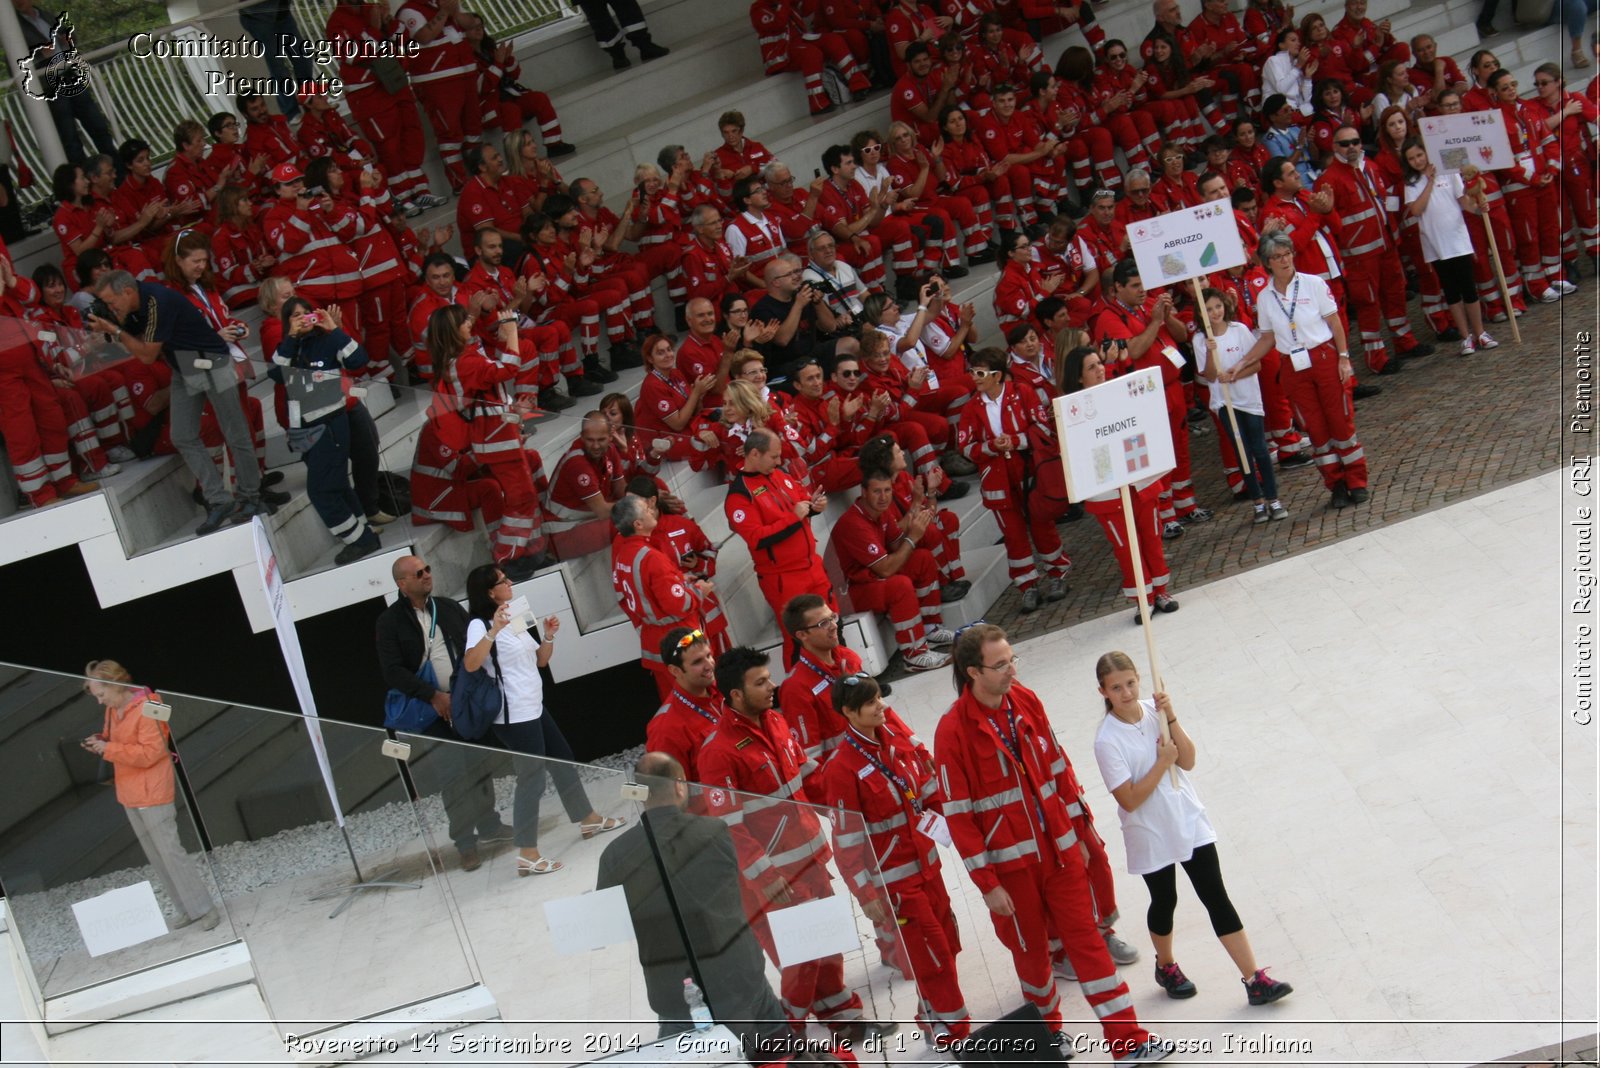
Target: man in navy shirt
<point x="160" y="323"/>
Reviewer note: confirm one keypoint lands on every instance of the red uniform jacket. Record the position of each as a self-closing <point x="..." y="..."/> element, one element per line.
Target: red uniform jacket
<point x="875" y="815"/>
<point x="761" y="510"/>
<point x="652" y="591"/>
<point x="680" y="727"/>
<point x="806" y="698"/>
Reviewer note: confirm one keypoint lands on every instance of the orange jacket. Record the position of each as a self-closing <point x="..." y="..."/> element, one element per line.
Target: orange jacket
<point x="137" y="749"/>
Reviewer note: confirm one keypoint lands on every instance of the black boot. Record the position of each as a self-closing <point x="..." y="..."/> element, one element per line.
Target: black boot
<point x="648" y="49"/>
<point x="593" y="369"/>
<point x="619" y="57"/>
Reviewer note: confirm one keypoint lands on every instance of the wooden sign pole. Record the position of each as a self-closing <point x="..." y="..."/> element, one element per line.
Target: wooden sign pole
<point x="1227" y="395"/>
<point x="1500" y="279"/>
<point x="1144" y="612"/>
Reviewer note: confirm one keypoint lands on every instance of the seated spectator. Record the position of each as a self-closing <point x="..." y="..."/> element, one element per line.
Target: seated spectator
<point x="654" y="221"/>
<point x="191" y="176"/>
<point x="1136" y="204"/>
<point x="889" y="574"/>
<point x="807" y="327"/>
<point x="919" y="180"/>
<point x="641" y="454"/>
<point x="706" y="352"/>
<point x="266" y="134"/>
<point x="140" y="191"/>
<point x="971" y="172"/>
<point x="883" y="412"/>
<point x="861" y="222"/>
<point x="1007" y="431"/>
<point x="748" y="365"/>
<point x="1106" y="236"/>
<point x="1023" y="283"/>
<point x="81" y="362"/>
<point x="1286" y="137"/>
<point x="788" y="44"/>
<point x="1371" y="44"/>
<point x="586" y="224"/>
<point x="1432" y="73"/>
<point x="738" y="157"/>
<point x="795" y="213"/>
<point x="934" y="245"/>
<point x="668" y="402"/>
<point x="753" y="236"/>
<point x="896" y="363"/>
<point x="1330" y="114"/>
<point x="563" y="291"/>
<point x="1175" y="189"/>
<point x="1219" y="153"/>
<point x="688" y="715"/>
<point x="829" y="432"/>
<point x="530" y="170"/>
<point x="312" y="238"/>
<point x="742" y="411"/>
<point x="1394" y="89"/>
<point x="1034" y="156"/>
<point x="1288" y="73"/>
<point x="310" y="362"/>
<point x="489" y="201"/>
<point x="586" y="481"/>
<point x="841" y="287"/>
<point x="473" y="412"/>
<point x="708" y="263"/>
<point x="1061" y="248"/>
<point x="546" y="352"/>
<point x="922" y="93"/>
<point x="505" y="101"/>
<point x="942" y="540"/>
<point x="239" y="248"/>
<point x="653" y="591"/>
<point x="1173" y="84"/>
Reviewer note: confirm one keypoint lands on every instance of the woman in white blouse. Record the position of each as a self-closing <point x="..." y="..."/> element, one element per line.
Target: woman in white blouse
<point x="1289" y="70"/>
<point x="514" y="656"/>
<point x="1437" y="201"/>
<point x="1394" y="90"/>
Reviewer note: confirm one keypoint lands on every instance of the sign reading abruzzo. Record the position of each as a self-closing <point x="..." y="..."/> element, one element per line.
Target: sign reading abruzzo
<point x="1186" y="244"/>
<point x="1115" y="434"/>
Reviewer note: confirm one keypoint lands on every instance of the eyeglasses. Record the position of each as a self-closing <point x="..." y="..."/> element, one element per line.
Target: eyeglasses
<point x="503" y="582"/>
<point x="1116" y="55"/>
<point x="983" y="372"/>
<point x="424" y="571"/>
<point x="1348" y="143"/>
<point x="1542" y="83"/>
<point x="844" y="373"/>
<point x="823" y="624"/>
<point x="870" y="148"/>
<point x="1004" y="665"/>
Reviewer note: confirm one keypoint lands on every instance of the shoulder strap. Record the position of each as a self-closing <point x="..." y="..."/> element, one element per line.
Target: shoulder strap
<point x="505" y="705"/>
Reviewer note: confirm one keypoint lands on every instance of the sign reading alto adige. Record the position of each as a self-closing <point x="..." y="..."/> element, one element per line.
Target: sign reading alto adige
<point x="1471" y="139"/>
<point x="1114" y="434"/>
<point x="1186" y="244"/>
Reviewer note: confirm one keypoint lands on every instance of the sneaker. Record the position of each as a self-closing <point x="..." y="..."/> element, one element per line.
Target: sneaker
<point x="380" y="519"/>
<point x="1467" y="347"/>
<point x="1171" y="530"/>
<point x="121" y="454"/>
<point x="1487" y="342"/>
<point x="431" y="200"/>
<point x="411" y="209"/>
<point x="1120" y="951"/>
<point x="1199" y="515"/>
<point x="954" y="592"/>
<point x="1340" y="497"/>
<point x="1261" y="514"/>
<point x="1565" y="287"/>
<point x="1154" y="1049"/>
<point x="1170" y="978"/>
<point x="1055" y="589"/>
<point x="941" y="636"/>
<point x="1499" y="317"/>
<point x="1062" y="967"/>
<point x="1262" y="989"/>
<point x="926" y="660"/>
<point x="1279" y="512"/>
<point x="216" y="518"/>
<point x="1030" y="599"/>
<point x="107" y="470"/>
<point x="1165" y="603"/>
<point x="1550" y="295"/>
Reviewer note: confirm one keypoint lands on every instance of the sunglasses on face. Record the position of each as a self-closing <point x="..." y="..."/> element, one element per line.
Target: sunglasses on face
<point x="1351" y="143"/>
<point x="424" y="571"/>
<point x="849" y="374"/>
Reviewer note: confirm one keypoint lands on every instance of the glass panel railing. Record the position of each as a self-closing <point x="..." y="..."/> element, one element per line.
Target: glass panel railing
<point x="102" y="854"/>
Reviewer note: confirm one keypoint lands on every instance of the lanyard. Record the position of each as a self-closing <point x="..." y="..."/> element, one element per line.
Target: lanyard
<point x="905" y="788"/>
<point x="670" y="384"/>
<point x="1288" y="312"/>
<point x="683" y="697"/>
<point x="1014" y="747"/>
<point x="821" y="672"/>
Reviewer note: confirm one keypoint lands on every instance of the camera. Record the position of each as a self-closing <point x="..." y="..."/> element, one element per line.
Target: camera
<point x="99" y="308"/>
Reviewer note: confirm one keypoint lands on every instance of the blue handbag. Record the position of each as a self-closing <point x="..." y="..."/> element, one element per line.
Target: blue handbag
<point x="402" y="712"/>
<point x="476" y="699"/>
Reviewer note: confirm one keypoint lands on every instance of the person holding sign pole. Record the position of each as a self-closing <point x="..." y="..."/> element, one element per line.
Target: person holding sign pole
<point x="1436" y="201"/>
<point x="1081" y="368"/>
<point x="1299" y="317"/>
<point x="1224" y="360"/>
<point x="1164" y="825"/>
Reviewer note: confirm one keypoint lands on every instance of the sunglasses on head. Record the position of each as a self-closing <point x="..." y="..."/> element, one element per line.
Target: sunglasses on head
<point x="855" y="679"/>
<point x="690" y="638"/>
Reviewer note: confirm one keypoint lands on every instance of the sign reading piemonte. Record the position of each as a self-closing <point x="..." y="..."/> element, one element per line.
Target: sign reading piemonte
<point x="1186" y="244"/>
<point x="1472" y="139"/>
<point x="1114" y="434"/>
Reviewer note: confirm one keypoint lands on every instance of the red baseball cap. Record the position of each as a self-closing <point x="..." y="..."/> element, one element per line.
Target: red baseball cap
<point x="284" y="173"/>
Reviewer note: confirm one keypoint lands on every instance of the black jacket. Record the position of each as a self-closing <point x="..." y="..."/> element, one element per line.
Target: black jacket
<point x="402" y="643"/>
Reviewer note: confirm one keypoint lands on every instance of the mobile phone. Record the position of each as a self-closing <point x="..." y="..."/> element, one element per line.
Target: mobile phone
<point x="639" y="191"/>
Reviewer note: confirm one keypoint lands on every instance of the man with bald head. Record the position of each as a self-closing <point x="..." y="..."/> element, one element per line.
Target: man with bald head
<point x="421" y="632"/>
<point x="807" y="327"/>
<point x="703" y="351"/>
<point x="589" y="478"/>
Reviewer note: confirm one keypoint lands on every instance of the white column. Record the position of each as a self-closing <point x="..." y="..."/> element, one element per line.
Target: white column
<point x="38" y="111"/>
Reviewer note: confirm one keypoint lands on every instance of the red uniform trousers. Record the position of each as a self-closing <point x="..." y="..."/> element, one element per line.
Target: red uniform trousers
<point x="929" y="941"/>
<point x="834" y="474"/>
<point x="514" y="111"/>
<point x="665" y="259"/>
<point x="935" y="232"/>
<point x="521" y="530"/>
<point x="1012" y="194"/>
<point x="630" y="271"/>
<point x="1370" y="284"/>
<point x="1135" y="133"/>
<point x="582" y="315"/>
<point x="808" y="58"/>
<point x="1432" y="294"/>
<point x="456" y="115"/>
<point x="1179" y="118"/>
<point x="1053" y="897"/>
<point x="781" y="587"/>
<point x="610" y="296"/>
<point x="1322" y="405"/>
<point x="1177" y="492"/>
<point x="1483" y="271"/>
<point x="973" y="235"/>
<point x="80" y="428"/>
<point x="383" y="327"/>
<point x="1152" y="554"/>
<point x="909" y="597"/>
<point x="1090" y="150"/>
<point x="1033" y="527"/>
<point x="1281" y="433"/>
<point x="390" y="124"/>
<point x="981" y="205"/>
<point x="34" y="428"/>
<point x="1536" y="227"/>
<point x="105" y="393"/>
<point x="1578" y="207"/>
<point x="942" y="541"/>
<point x="815" y="988"/>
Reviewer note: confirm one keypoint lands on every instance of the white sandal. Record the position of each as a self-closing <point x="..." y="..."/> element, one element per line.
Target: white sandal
<point x="542" y="866"/>
<point x="605" y="826"/>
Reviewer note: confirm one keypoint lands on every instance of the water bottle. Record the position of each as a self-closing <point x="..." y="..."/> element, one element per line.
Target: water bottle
<point x="697" y="1005"/>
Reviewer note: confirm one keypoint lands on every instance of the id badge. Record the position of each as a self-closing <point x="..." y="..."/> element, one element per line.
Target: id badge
<point x="513" y="418"/>
<point x="203" y="364"/>
<point x="358" y="392"/>
<point x="1300" y="359"/>
<point x="294" y="413"/>
<point x="933" y="825"/>
<point x="1171" y="352"/>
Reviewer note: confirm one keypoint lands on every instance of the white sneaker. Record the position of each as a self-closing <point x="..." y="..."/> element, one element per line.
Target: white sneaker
<point x="107" y="471"/>
<point x="941" y="636"/>
<point x="1550" y="295"/>
<point x="1487" y="342"/>
<point x="121" y="454"/>
<point x="1467" y="348"/>
<point x="1565" y="287"/>
<point x="1499" y="317"/>
<point x="927" y="660"/>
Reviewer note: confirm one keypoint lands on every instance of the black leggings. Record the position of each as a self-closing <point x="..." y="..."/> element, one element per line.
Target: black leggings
<point x="1205" y="875"/>
<point x="1455" y="278"/>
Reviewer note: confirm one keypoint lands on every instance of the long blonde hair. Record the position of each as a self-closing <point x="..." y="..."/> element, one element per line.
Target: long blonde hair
<point x="741" y="396"/>
<point x="1114" y="661"/>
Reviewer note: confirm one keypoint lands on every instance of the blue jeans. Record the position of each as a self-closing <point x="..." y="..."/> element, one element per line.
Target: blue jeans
<point x="537" y="739"/>
<point x="267" y="22"/>
<point x="1574" y="13"/>
<point x="1259" y="482"/>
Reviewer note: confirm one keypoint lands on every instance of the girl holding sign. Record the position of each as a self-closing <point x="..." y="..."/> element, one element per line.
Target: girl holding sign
<point x="1436" y="201"/>
<point x="1164" y="825"/>
<point x="1228" y="342"/>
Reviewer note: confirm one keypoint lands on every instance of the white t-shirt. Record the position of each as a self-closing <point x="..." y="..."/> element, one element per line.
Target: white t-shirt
<point x="519" y="660"/>
<point x="1171" y="823"/>
<point x="1308" y="305"/>
<point x="1442" y="225"/>
<point x="1246" y="392"/>
<point x="438" y="652"/>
